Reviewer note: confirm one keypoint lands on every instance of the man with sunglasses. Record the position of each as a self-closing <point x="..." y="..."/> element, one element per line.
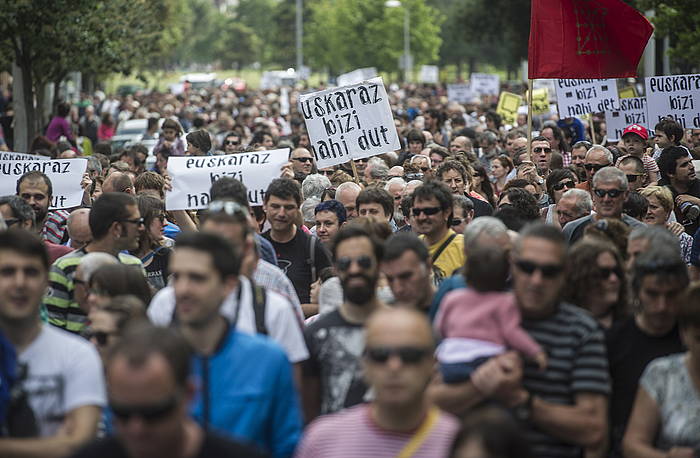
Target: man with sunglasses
<point x="431" y="214"/>
<point x="541" y="155"/>
<point x="59" y="375"/>
<point x="400" y="421"/>
<point x="149" y="392"/>
<point x="332" y="376"/>
<point x="116" y="224"/>
<point x="597" y="157"/>
<point x="302" y="163"/>
<point x="609" y="190"/>
<point x="562" y="409"/>
<point x="634" y="170"/>
<point x="232" y="143"/>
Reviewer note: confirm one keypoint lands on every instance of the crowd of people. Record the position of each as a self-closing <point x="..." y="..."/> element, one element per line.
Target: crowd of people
<point x="477" y="293"/>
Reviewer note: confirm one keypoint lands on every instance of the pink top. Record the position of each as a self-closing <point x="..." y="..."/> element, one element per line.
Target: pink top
<point x="352" y="433"/>
<point x="491" y="317"/>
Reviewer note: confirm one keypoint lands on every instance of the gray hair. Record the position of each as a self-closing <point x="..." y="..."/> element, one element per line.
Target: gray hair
<point x="584" y="203"/>
<point x="314" y="184"/>
<point x="656" y="235"/>
<point x="20" y="208"/>
<point x="602" y="149"/>
<point x="93" y="261"/>
<point x="308" y="207"/>
<point x="464" y="203"/>
<point x="393" y="181"/>
<point x="348" y="185"/>
<point x="94" y="165"/>
<point x="378" y="169"/>
<point x="611" y="175"/>
<point x="483" y="225"/>
<point x="413" y="159"/>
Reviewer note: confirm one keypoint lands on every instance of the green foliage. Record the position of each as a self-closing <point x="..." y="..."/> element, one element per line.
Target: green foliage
<point x="342" y="35"/>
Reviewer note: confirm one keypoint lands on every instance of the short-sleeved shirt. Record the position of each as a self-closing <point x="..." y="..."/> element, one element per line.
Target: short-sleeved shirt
<point x="294" y="258"/>
<point x="576" y="364"/>
<point x="450" y="259"/>
<point x="669" y="384"/>
<point x="335" y="349"/>
<point x="352" y="433"/>
<point x="54" y="229"/>
<point x="64" y="372"/>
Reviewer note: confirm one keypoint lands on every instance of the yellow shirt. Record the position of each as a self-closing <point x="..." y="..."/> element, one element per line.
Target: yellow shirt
<point x="451" y="258"/>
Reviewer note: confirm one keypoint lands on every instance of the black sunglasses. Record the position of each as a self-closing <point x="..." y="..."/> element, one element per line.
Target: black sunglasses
<point x="429" y="211"/>
<point x="566" y="184"/>
<point x="539" y="149"/>
<point x="137" y="221"/>
<point x="344" y="263"/>
<point x="149" y="413"/>
<point x="407" y="355"/>
<point x="595" y="167"/>
<point x="425" y="169"/>
<point x="302" y="159"/>
<point x="613" y="193"/>
<point x="229" y="142"/>
<point x="605" y="272"/>
<point x="455" y="222"/>
<point x="326" y="172"/>
<point x="632" y="178"/>
<point x="548" y="270"/>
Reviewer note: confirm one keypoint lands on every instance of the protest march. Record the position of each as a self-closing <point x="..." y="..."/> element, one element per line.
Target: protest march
<point x="377" y="264"/>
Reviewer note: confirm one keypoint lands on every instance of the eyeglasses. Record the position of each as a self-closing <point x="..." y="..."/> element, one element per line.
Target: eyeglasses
<point x="344" y="263"/>
<point x="565" y="184"/>
<point x="407" y="355"/>
<point x="539" y="149"/>
<point x="302" y="159"/>
<point x="229" y="142"/>
<point x="455" y="222"/>
<point x="547" y="270"/>
<point x="613" y="193"/>
<point x="137" y="221"/>
<point x="228" y="207"/>
<point x="605" y="272"/>
<point x="429" y="211"/>
<point x="632" y="178"/>
<point x="149" y="413"/>
<point x="595" y="167"/>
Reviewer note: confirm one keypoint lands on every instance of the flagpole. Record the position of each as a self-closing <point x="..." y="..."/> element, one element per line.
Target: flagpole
<point x="590" y="124"/>
<point x="529" y="117"/>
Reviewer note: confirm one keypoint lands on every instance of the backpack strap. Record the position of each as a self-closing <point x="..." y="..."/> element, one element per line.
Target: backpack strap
<point x="259" y="306"/>
<point x="439" y="251"/>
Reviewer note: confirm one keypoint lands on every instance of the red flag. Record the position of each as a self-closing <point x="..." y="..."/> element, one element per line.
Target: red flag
<point x="585" y="39"/>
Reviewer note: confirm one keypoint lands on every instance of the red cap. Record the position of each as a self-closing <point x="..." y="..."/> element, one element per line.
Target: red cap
<point x="637" y="130"/>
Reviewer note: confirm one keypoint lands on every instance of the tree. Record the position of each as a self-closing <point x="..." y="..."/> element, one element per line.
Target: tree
<point x="257" y="15"/>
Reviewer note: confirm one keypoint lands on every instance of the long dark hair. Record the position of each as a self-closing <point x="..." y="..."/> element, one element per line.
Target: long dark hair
<point x="486" y="187"/>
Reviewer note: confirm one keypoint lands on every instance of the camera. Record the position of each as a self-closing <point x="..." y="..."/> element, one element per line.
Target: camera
<point x="690" y="211"/>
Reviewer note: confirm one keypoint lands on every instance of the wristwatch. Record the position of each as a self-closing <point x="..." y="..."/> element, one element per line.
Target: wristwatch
<point x="523" y="411"/>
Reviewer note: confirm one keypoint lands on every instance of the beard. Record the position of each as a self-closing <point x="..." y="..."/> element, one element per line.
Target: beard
<point x="356" y="294"/>
<point x="398" y="216"/>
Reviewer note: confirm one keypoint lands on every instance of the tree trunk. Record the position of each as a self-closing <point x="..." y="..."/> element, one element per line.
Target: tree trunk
<point x="472" y="65"/>
<point x="459" y="69"/>
<point x="25" y="124"/>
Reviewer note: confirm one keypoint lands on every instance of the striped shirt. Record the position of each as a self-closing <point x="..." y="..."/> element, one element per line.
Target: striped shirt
<point x="54" y="229"/>
<point x="352" y="433"/>
<point x="60" y="304"/>
<point x="577" y="364"/>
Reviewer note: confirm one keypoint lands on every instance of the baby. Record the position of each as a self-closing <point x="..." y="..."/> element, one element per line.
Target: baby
<point x="482" y="320"/>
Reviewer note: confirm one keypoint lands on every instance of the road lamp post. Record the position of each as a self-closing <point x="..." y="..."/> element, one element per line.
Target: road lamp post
<point x="407" y="59"/>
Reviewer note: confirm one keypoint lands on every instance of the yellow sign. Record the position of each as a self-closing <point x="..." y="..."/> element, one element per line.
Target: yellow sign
<point x="507" y="107"/>
<point x="540" y="101"/>
<point x="627" y="92"/>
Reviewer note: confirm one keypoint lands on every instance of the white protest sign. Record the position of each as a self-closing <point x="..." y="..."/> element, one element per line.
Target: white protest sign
<point x="193" y="176"/>
<point x="632" y="110"/>
<point x="12" y="156"/>
<point x="676" y="96"/>
<point x="429" y="74"/>
<point x="460" y="93"/>
<point x="65" y="176"/>
<point x="350" y="122"/>
<point x="485" y="84"/>
<point x="357" y="76"/>
<point x="576" y="97"/>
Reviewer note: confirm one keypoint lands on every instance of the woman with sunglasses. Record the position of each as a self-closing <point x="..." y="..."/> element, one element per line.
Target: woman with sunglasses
<point x="596" y="281"/>
<point x="661" y="206"/>
<point x="558" y="182"/>
<point x="152" y="252"/>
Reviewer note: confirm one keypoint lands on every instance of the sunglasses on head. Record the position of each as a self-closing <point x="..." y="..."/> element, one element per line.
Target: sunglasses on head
<point x="429" y="211"/>
<point x="613" y="193"/>
<point x="595" y="167"/>
<point x="565" y="184"/>
<point x="343" y="264"/>
<point x="407" y="355"/>
<point x="539" y="149"/>
<point x="150" y="413"/>
<point x="547" y="270"/>
<point x="302" y="159"/>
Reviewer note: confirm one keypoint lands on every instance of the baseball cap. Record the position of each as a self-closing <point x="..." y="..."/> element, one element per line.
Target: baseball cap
<point x="637" y="130"/>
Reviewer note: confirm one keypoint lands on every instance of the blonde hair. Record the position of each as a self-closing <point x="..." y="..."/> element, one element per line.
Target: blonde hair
<point x="662" y="193"/>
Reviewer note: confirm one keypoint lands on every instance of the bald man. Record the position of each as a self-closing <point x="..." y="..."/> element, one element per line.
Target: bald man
<point x="398" y="365"/>
<point x="78" y="227"/>
<point x="118" y="182"/>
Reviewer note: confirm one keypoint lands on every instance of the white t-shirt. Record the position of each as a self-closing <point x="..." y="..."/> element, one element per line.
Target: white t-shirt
<point x="64" y="372"/>
<point x="280" y="319"/>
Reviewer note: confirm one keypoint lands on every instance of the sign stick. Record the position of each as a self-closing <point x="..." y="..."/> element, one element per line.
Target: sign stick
<point x="529" y="116"/>
<point x="590" y="123"/>
<point x="354" y="171"/>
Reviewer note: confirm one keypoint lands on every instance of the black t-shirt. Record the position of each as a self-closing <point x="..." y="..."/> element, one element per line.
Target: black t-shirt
<point x="157" y="270"/>
<point x="335" y="349"/>
<point x="294" y="259"/>
<point x="629" y="352"/>
<point x="213" y="446"/>
<point x="481" y="208"/>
